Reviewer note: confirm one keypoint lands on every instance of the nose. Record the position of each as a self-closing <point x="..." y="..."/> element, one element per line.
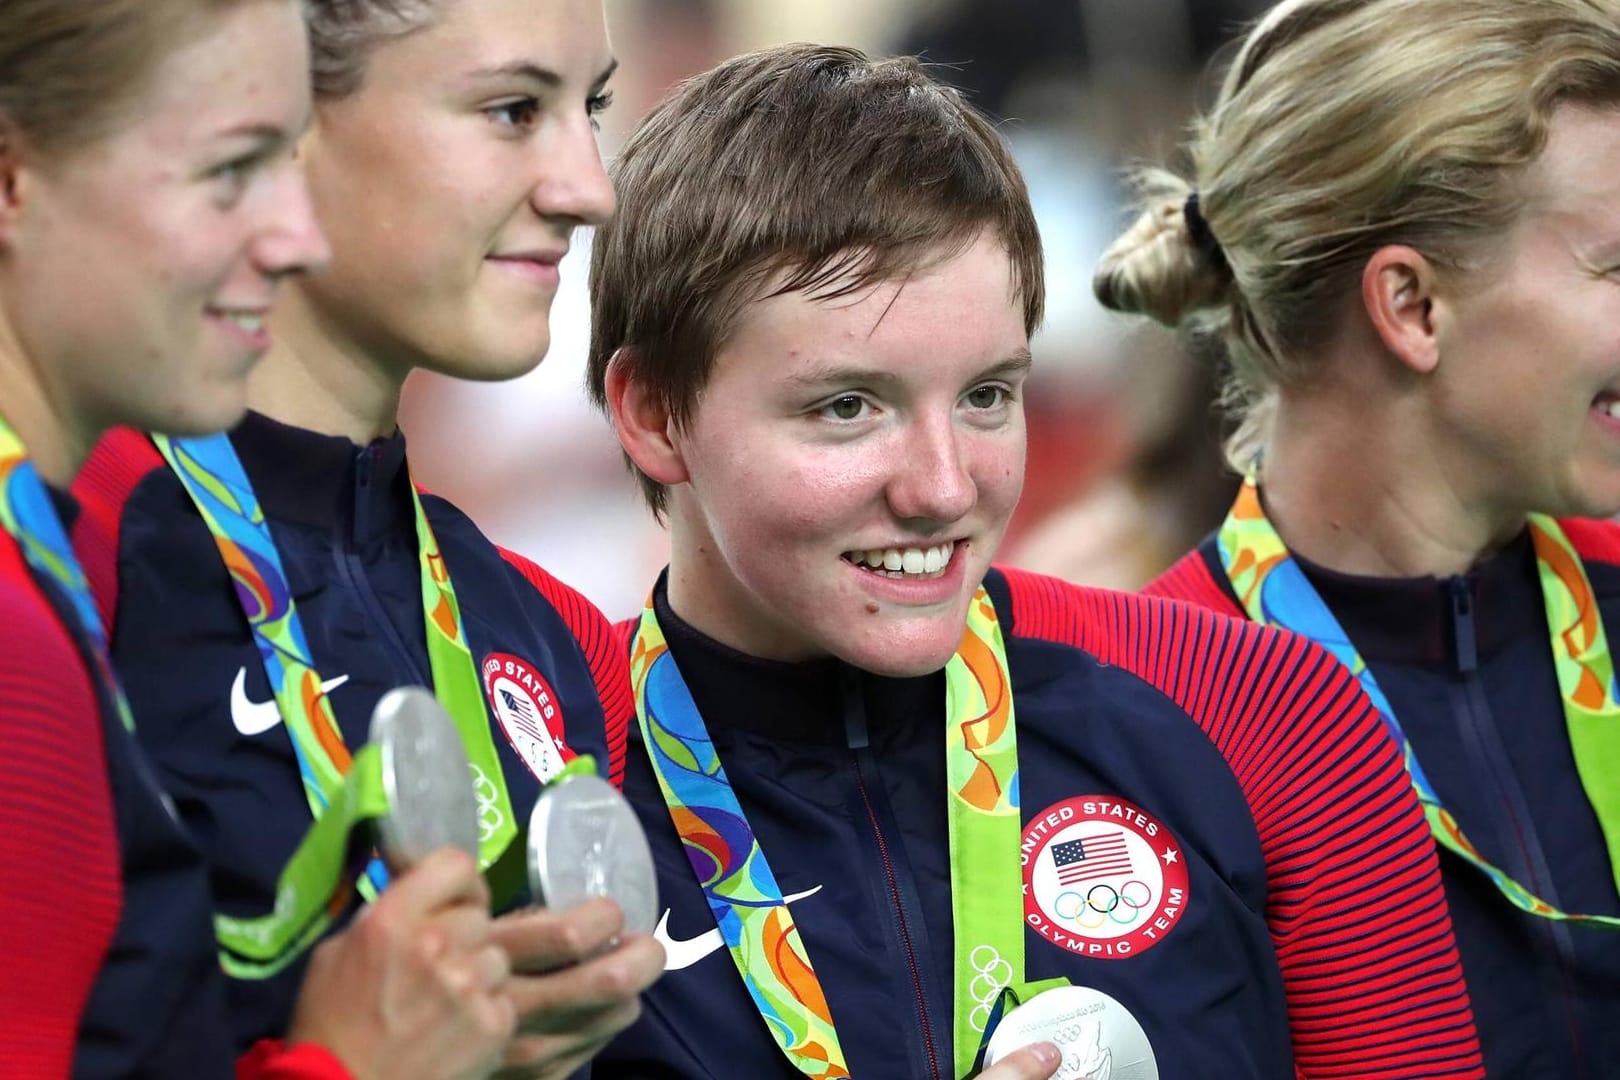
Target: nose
<point x="574" y="184"/>
<point x="291" y="238"/>
<point x="931" y="482"/>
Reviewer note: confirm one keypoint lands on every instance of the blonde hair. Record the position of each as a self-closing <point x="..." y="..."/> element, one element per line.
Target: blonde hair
<point x="1344" y="126"/>
<point x="71" y="69"/>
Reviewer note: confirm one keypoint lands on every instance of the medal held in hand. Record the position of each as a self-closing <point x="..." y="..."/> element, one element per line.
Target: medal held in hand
<point x="426" y="778"/>
<point x="1098" y="1036"/>
<point x="584" y="842"/>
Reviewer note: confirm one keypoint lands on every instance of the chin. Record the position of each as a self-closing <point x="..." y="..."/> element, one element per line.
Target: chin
<point x="495" y="364"/>
<point x="895" y="654"/>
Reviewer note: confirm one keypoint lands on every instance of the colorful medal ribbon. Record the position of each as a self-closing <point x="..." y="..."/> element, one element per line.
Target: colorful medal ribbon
<point x="213" y="476"/>
<point x="743" y="894"/>
<point x="27" y="514"/>
<point x="1274" y="590"/>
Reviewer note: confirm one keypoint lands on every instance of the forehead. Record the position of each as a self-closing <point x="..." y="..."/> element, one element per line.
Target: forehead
<point x="244" y="67"/>
<point x="566" y="37"/>
<point x="1576" y="181"/>
<point x="960" y="311"/>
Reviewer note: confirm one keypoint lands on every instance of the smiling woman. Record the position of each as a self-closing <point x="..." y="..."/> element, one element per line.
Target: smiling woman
<point x="915" y="790"/>
<point x="451" y="155"/>
<point x="1406" y="230"/>
<point x="148" y="209"/>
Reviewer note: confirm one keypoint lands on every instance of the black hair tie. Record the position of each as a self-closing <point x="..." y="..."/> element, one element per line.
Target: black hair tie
<point x="1199" y="232"/>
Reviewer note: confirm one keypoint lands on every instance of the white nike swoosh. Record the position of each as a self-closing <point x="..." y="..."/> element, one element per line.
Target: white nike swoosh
<point x="258" y="717"/>
<point x="688" y="951"/>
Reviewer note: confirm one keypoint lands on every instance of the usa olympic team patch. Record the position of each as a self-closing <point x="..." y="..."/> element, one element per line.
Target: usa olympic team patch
<point x="1102" y="877"/>
<point x="529" y="713"/>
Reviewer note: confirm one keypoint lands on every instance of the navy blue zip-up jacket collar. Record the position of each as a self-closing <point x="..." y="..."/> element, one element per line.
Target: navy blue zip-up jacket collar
<point x="1258" y="798"/>
<point x="1467" y="666"/>
<point x="342" y="519"/>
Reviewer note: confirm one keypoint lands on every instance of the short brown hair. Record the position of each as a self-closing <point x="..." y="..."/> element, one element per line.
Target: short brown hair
<point x="1345" y="126"/>
<point x="803" y="168"/>
<point x="70" y="69"/>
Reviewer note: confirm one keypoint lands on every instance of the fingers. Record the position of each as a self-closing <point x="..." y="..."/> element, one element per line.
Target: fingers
<point x="540" y="939"/>
<point x="566" y="1000"/>
<point x="1035" y="1062"/>
<point x="445" y="878"/>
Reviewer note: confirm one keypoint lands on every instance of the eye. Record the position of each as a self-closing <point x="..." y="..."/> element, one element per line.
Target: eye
<point x="229" y="180"/>
<point x="596" y="105"/>
<point x="989" y="396"/>
<point x="847" y="407"/>
<point x="520" y="113"/>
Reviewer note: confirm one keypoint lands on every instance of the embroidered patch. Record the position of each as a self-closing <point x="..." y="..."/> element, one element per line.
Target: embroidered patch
<point x="1102" y="877"/>
<point x="529" y="713"/>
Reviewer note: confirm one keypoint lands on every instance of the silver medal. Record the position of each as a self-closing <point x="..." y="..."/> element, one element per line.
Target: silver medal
<point x="1098" y="1036"/>
<point x="584" y="842"/>
<point x="426" y="776"/>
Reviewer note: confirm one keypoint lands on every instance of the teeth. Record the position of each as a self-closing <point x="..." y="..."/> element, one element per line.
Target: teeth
<point x="1609" y="406"/>
<point x="252" y="323"/>
<point x="904" y="562"/>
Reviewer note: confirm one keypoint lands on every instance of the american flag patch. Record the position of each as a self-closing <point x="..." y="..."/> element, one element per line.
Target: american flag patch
<point x="1092" y="857"/>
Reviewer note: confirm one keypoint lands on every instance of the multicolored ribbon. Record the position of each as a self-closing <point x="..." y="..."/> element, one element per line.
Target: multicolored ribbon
<point x="219" y="487"/>
<point x="27" y="514"/>
<point x="1274" y="590"/>
<point x="743" y="894"/>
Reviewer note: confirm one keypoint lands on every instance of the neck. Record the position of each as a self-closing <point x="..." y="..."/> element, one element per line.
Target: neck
<point x="316" y="377"/>
<point x="1366" y="491"/>
<point x="56" y="438"/>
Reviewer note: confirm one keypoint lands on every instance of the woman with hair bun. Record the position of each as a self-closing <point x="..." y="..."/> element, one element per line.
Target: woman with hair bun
<point x="1403" y="220"/>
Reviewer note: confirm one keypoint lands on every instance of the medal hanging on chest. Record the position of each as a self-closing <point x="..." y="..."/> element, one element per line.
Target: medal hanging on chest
<point x="1273" y="589"/>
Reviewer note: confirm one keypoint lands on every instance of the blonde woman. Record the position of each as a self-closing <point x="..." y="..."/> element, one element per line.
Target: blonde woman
<point x="1403" y="219"/>
<point x="451" y="156"/>
<point x="149" y="207"/>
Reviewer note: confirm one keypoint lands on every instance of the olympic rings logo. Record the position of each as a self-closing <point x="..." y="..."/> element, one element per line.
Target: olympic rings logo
<point x="993" y="974"/>
<point x="490" y="817"/>
<point x="1103" y="904"/>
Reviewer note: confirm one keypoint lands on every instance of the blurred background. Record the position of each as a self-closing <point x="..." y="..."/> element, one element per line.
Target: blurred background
<point x="1124" y="463"/>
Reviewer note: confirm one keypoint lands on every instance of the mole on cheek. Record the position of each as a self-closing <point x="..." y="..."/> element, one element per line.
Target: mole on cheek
<point x="872" y="608"/>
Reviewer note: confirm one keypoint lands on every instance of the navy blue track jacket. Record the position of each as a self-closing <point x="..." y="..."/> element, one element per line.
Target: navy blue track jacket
<point x="1467" y="666"/>
<point x="342" y="520"/>
<point x="1286" y="909"/>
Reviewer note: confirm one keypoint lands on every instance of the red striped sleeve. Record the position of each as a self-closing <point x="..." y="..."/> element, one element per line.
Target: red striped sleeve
<point x="59" y="878"/>
<point x="610" y="668"/>
<point x="120" y="461"/>
<point x="1190" y="579"/>
<point x="1341" y="830"/>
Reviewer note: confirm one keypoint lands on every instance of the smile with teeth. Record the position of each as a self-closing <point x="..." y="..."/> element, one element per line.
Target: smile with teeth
<point x="251" y="321"/>
<point x="916" y="563"/>
<point x="1608" y="405"/>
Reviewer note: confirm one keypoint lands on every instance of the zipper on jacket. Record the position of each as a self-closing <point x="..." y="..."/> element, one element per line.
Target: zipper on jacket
<point x="857" y="737"/>
<point x="1462" y="626"/>
<point x="351" y="567"/>
<point x="1476" y="721"/>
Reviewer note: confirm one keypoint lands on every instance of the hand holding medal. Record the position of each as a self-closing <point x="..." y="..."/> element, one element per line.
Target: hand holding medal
<point x="1097" y="1036"/>
<point x="415" y="986"/>
<point x="582" y="959"/>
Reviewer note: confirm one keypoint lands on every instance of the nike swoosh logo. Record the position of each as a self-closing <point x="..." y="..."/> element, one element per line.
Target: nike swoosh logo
<point x="258" y="717"/>
<point x="688" y="951"/>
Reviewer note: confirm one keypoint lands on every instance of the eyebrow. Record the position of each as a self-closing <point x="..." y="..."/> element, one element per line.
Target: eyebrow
<point x="527" y="69"/>
<point x="1016" y="364"/>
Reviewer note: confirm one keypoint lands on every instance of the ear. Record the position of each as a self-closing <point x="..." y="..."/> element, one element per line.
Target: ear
<point x="644" y="425"/>
<point x="12" y="181"/>
<point x="1398" y="291"/>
